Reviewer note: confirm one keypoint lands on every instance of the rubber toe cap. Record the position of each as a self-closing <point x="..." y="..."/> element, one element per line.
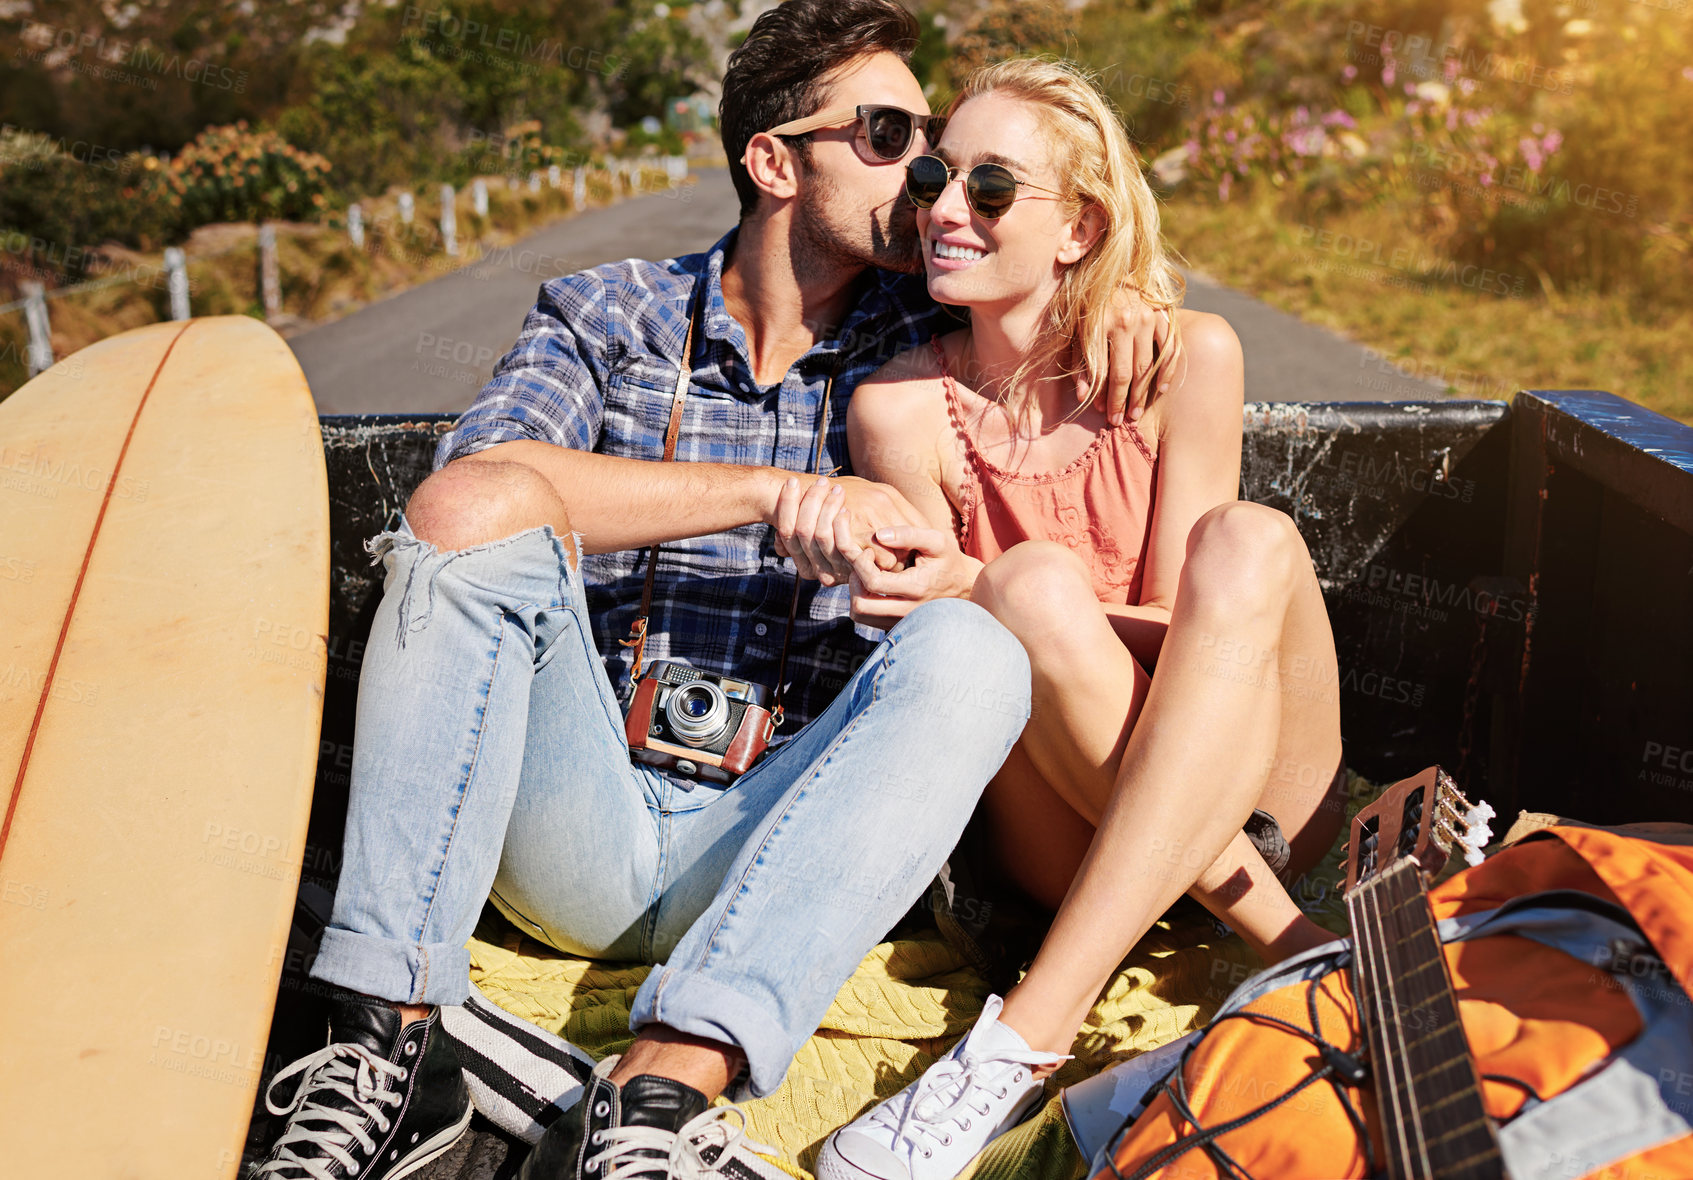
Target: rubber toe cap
<point x="853" y="1155"/>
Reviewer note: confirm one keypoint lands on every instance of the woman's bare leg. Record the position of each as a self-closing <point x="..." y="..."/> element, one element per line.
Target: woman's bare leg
<point x="1242" y="713"/>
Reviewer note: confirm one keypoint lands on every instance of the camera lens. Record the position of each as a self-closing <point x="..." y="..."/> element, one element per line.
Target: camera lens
<point x="697" y="712"/>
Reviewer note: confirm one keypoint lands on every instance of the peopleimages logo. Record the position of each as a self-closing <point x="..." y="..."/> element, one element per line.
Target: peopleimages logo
<point x="468" y="35"/>
<point x="1522" y="179"/>
<point x="1410" y="263"/>
<point x="1433" y="592"/>
<point x="1425" y="56"/>
<point x="80" y="150"/>
<point x="108" y="55"/>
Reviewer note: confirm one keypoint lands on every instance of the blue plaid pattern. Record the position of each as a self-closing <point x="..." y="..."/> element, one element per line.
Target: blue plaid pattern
<point x="595" y="369"/>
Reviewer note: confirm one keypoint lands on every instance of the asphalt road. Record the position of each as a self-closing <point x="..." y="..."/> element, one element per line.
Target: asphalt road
<point x="430" y="349"/>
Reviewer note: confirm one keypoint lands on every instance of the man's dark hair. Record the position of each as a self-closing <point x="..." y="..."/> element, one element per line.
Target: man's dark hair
<point x="776" y="74"/>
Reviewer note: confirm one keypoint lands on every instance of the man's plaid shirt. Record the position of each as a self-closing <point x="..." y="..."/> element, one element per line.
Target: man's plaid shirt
<point x="595" y="369"/>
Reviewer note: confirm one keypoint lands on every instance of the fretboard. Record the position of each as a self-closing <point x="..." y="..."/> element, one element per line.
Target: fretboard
<point x="1433" y="1122"/>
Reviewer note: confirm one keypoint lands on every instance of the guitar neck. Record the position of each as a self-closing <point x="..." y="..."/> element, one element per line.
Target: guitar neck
<point x="1432" y="1117"/>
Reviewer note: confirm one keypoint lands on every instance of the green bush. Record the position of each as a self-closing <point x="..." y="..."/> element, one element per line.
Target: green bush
<point x="1542" y="146"/>
<point x="67" y="197"/>
<point x="377" y="116"/>
<point x="667" y="142"/>
<point x="235" y="174"/>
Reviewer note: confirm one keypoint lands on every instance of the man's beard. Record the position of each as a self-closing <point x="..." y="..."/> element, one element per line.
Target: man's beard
<point x="887" y="238"/>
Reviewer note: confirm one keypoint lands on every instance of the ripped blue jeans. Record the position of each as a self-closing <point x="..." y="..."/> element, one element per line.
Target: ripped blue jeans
<point x="490" y="762"/>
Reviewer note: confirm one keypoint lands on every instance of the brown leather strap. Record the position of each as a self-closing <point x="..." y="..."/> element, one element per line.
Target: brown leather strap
<point x="793" y="604"/>
<point x="638" y="629"/>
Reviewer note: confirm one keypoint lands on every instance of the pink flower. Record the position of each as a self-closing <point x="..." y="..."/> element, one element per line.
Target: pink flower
<point x="1553" y="141"/>
<point x="1307" y="141"/>
<point x="1530" y="149"/>
<point x="1413" y="109"/>
<point x="1339" y="119"/>
<point x="1348" y="72"/>
<point x="1223" y="187"/>
<point x="1450" y="69"/>
<point x="1217" y="98"/>
<point x="1410" y="88"/>
<point x="1486" y="179"/>
<point x="1451" y="118"/>
<point x="1387" y="74"/>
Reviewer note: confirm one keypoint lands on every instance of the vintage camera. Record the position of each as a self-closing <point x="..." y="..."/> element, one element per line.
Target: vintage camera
<point x="698" y="724"/>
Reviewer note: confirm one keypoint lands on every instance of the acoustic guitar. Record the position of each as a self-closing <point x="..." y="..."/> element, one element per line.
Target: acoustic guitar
<point x="1433" y="1122"/>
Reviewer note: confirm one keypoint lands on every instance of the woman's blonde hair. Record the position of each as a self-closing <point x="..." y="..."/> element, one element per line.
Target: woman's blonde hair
<point x="1097" y="165"/>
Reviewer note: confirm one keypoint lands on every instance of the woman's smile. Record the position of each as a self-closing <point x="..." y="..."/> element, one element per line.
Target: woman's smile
<point x="954" y="255"/>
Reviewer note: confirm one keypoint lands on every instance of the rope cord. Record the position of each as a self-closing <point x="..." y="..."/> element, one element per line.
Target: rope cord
<point x="1343" y="1070"/>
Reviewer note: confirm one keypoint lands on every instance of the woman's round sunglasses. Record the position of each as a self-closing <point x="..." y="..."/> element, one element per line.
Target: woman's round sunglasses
<point x="990" y="189"/>
<point x="890" y="131"/>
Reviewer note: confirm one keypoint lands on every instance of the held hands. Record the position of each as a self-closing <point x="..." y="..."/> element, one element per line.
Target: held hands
<point x="820" y="521"/>
<point x="881" y="597"/>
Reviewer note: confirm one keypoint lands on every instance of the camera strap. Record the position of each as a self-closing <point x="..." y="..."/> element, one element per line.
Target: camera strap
<point x="638" y="629"/>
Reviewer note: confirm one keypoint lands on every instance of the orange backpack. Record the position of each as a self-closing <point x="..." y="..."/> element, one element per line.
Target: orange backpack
<point x="1570" y="953"/>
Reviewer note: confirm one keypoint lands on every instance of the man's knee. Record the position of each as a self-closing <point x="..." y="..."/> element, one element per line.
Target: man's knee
<point x="473" y="502"/>
<point x="959" y="651"/>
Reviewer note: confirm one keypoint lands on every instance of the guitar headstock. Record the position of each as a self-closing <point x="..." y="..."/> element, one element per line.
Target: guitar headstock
<point x="1423" y="817"/>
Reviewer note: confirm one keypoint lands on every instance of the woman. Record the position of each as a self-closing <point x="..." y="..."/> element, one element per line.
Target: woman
<point x="1184" y="671"/>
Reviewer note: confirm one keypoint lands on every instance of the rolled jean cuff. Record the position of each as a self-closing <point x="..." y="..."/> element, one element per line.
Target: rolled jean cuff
<point x="698" y="1006"/>
<point x="403" y="973"/>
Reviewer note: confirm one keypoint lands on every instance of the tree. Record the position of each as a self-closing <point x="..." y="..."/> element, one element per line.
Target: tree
<point x="660" y="58"/>
<point x="1008" y="28"/>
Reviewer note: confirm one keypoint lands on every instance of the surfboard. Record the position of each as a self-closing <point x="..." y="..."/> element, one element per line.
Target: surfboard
<point x="164" y="597"/>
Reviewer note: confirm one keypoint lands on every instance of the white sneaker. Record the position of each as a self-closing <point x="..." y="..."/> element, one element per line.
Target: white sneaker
<point x="933" y="1128"/>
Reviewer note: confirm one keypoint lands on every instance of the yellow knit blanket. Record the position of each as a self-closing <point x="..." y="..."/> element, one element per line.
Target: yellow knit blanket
<point x="907" y="1004"/>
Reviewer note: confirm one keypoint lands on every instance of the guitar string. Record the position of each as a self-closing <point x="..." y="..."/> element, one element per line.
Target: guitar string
<point x="1386" y="1082"/>
<point x="1446" y="1048"/>
<point x="1409" y="920"/>
<point x="1437" y="1054"/>
<point x="1401" y="920"/>
<point x="1422" y="1058"/>
<point x="1407" y="1122"/>
<point x="1418" y="992"/>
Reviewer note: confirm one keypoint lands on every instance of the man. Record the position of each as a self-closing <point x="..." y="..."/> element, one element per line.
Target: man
<point x="491" y="759"/>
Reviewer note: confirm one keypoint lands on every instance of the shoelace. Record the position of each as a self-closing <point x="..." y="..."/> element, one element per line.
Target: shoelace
<point x="355" y="1073"/>
<point x="631" y="1152"/>
<point x="924" y="1116"/>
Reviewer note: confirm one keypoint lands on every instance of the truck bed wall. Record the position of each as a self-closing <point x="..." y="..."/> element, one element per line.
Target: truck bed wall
<point x="1511" y="589"/>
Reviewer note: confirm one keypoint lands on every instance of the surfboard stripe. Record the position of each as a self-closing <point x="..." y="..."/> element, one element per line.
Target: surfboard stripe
<point x="70" y="607"/>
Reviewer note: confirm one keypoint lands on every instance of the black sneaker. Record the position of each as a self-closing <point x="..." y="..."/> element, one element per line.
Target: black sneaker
<point x="379" y="1102"/>
<point x="652" y="1128"/>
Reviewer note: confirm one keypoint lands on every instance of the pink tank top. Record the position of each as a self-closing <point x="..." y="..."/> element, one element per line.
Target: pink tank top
<point x="1099" y="505"/>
